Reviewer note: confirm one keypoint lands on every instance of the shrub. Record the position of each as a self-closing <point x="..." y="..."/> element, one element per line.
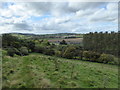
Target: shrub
<point x="69" y="52"/>
<point x="49" y="51"/>
<point x="86" y="54"/>
<point x="106" y="58"/>
<point x="58" y="53"/>
<point x="92" y="56"/>
<point x="45" y="43"/>
<point x="24" y="51"/>
<point x="63" y="42"/>
<point x="17" y="52"/>
<point x="31" y="45"/>
<point x="116" y="62"/>
<point x="39" y="49"/>
<point x="11" y="52"/>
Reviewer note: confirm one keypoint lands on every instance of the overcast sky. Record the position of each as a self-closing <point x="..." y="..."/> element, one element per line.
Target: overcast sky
<point x="58" y="17"/>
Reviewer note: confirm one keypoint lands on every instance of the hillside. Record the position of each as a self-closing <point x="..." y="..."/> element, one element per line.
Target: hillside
<point x="41" y="71"/>
<point x="47" y="36"/>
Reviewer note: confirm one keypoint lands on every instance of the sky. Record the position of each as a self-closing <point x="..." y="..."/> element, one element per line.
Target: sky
<point x="58" y="17"/>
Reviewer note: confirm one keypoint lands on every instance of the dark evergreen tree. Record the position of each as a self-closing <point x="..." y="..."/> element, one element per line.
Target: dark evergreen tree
<point x="102" y="42"/>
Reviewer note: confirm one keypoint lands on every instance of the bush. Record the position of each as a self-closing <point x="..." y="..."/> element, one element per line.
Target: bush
<point x="11" y="52"/>
<point x="58" y="53"/>
<point x="30" y="45"/>
<point x="45" y="43"/>
<point x="39" y="49"/>
<point x="86" y="54"/>
<point x="92" y="56"/>
<point x="49" y="51"/>
<point x="63" y="42"/>
<point x="24" y="51"/>
<point x="17" y="52"/>
<point x="106" y="58"/>
<point x="116" y="62"/>
<point x="69" y="52"/>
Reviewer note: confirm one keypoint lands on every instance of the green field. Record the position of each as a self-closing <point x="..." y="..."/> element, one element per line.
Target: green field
<point x="41" y="71"/>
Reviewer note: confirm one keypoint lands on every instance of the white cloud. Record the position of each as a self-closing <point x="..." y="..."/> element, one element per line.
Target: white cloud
<point x="22" y="26"/>
<point x="84" y="13"/>
<point x="110" y="13"/>
<point x="64" y="17"/>
<point x="85" y="5"/>
<point x="112" y="6"/>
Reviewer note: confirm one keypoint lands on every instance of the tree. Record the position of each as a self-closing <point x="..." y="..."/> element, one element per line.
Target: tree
<point x="63" y="42"/>
<point x="45" y="43"/>
<point x="24" y="50"/>
<point x="10" y="41"/>
<point x="31" y="45"/>
<point x="49" y="51"/>
<point x="11" y="52"/>
<point x="102" y="42"/>
<point x="70" y="52"/>
<point x="91" y="55"/>
<point x="58" y="53"/>
<point x="106" y="58"/>
<point x="39" y="49"/>
<point x="86" y="54"/>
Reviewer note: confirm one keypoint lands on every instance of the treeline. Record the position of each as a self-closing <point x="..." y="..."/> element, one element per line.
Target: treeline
<point x="15" y="46"/>
<point x="102" y="42"/>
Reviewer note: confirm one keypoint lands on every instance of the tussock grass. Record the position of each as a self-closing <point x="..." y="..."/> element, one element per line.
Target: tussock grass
<point x="41" y="71"/>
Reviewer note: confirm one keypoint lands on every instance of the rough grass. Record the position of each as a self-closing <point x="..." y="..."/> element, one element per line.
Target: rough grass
<point x="41" y="71"/>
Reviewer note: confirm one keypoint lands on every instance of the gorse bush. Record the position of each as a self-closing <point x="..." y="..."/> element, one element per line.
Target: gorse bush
<point x="106" y="58"/>
<point x="101" y="58"/>
<point x="49" y="51"/>
<point x="45" y="43"/>
<point x="92" y="56"/>
<point x="69" y="52"/>
<point x="58" y="53"/>
<point x="11" y="52"/>
<point x="17" y="51"/>
<point x="24" y="51"/>
<point x="87" y="55"/>
<point x="39" y="49"/>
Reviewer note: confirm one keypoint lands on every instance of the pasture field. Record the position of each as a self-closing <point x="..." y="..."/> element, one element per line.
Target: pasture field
<point x="70" y="40"/>
<point x="41" y="71"/>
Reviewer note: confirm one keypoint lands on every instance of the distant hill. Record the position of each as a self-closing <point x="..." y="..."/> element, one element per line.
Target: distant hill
<point x="47" y="36"/>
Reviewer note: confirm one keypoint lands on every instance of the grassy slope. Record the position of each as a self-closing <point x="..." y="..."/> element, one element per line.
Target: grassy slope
<point x="38" y="71"/>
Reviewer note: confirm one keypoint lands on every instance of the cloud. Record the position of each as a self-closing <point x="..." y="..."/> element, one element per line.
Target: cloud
<point x="84" y="13"/>
<point x="110" y="13"/>
<point x="60" y="8"/>
<point x="76" y="6"/>
<point x="55" y="17"/>
<point x="38" y="7"/>
<point x="22" y="26"/>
